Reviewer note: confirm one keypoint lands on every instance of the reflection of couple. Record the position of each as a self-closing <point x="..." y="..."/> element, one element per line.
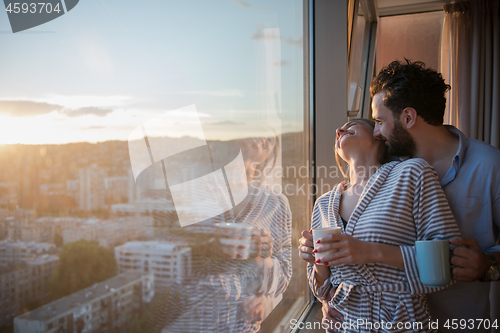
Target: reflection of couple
<point x="374" y="276"/>
<point x="234" y="295"/>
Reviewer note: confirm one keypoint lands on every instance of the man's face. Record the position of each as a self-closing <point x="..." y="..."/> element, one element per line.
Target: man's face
<point x="390" y="130"/>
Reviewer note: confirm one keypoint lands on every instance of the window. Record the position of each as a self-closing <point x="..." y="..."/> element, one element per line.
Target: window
<point x="225" y="80"/>
<point x="414" y="36"/>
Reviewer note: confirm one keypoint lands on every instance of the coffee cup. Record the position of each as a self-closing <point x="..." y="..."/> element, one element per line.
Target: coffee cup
<point x="322" y="232"/>
<point x="433" y="260"/>
<point x="237" y="239"/>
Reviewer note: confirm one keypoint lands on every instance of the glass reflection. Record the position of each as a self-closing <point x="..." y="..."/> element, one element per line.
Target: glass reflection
<point x="240" y="261"/>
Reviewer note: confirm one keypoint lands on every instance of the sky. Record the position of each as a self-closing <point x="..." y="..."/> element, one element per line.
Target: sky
<point x="107" y="66"/>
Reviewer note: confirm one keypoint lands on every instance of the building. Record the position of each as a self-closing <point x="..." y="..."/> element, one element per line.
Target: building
<point x="46" y="228"/>
<point x="116" y="189"/>
<point x="53" y="189"/>
<point x="25" y="284"/>
<point x="73" y="190"/>
<point x="4" y="213"/>
<point x="169" y="262"/>
<point x="9" y="194"/>
<point x="12" y="253"/>
<point x="112" y="232"/>
<point x="92" y="192"/>
<point x="19" y="225"/>
<point x="107" y="306"/>
<point x="146" y="205"/>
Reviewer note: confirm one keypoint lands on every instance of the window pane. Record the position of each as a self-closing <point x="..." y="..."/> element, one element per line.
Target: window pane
<point x="357" y="62"/>
<point x="130" y="135"/>
<point x="416" y="37"/>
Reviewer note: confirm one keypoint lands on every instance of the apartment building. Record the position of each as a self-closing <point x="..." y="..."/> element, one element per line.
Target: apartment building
<point x="91" y="186"/>
<point x="25" y="284"/>
<point x="14" y="252"/>
<point x="112" y="232"/>
<point x="107" y="306"/>
<point x="18" y="225"/>
<point x="169" y="262"/>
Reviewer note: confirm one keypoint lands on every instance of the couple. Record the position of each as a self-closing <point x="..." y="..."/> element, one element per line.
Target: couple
<point x="374" y="275"/>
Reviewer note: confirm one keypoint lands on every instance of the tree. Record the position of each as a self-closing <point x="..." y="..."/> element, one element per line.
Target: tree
<point x="165" y="308"/>
<point x="81" y="264"/>
<point x="58" y="240"/>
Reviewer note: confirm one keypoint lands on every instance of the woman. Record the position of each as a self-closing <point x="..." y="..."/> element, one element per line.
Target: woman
<point x="222" y="294"/>
<point x="383" y="206"/>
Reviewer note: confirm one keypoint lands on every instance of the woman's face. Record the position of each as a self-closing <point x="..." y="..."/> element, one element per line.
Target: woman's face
<point x="257" y="150"/>
<point x="355" y="137"/>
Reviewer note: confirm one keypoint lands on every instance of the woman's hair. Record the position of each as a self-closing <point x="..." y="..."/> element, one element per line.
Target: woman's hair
<point x="383" y="151"/>
<point x="273" y="156"/>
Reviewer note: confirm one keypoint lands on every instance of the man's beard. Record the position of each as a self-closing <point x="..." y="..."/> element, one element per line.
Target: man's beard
<point x="400" y="141"/>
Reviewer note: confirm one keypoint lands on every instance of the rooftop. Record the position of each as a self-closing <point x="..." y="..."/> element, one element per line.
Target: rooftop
<point x="148" y="246"/>
<point x="27" y="245"/>
<point x="43" y="259"/>
<point x="80" y="298"/>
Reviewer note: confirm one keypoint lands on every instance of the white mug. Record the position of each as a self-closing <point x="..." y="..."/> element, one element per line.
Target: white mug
<point x="237" y="246"/>
<point x="322" y="232"/>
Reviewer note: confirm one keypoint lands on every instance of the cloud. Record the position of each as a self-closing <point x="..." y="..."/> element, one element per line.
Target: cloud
<point x="208" y="92"/>
<point x="80" y="101"/>
<point x="32" y="109"/>
<point x="282" y="63"/>
<point x="26" y="108"/>
<point x="94" y="128"/>
<point x="260" y="34"/>
<point x="273" y="34"/>
<point x="91" y="110"/>
<point x="242" y="3"/>
<point x="294" y="42"/>
<point x="223" y="123"/>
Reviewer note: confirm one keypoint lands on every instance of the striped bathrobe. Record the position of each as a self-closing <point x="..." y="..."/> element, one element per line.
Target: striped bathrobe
<point x="401" y="203"/>
<point x="216" y="299"/>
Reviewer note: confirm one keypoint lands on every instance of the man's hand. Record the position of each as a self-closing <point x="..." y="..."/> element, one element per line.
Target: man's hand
<point x="330" y="317"/>
<point x="470" y="262"/>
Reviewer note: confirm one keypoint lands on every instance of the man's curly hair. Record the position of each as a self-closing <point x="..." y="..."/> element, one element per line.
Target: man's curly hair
<point x="411" y="84"/>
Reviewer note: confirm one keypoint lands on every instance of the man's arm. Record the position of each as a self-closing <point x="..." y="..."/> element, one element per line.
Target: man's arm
<point x="471" y="264"/>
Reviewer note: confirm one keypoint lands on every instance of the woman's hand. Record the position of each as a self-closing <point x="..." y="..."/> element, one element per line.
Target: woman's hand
<point x="353" y="251"/>
<point x="349" y="250"/>
<point x="255" y="308"/>
<point x="262" y="243"/>
<point x="330" y="317"/>
<point x="306" y="247"/>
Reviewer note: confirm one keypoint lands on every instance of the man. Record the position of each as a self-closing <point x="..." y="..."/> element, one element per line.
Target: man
<point x="408" y="107"/>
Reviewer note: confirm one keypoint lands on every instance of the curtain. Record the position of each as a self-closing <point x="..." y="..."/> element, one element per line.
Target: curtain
<point x="470" y="63"/>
